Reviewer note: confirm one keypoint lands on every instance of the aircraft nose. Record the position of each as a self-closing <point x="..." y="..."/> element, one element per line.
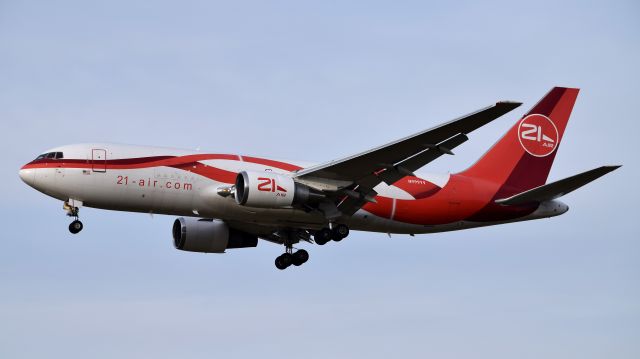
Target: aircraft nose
<point x="28" y="176"/>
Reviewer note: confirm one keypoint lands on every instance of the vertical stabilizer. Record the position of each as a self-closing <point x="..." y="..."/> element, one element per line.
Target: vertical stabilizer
<point x="522" y="158"/>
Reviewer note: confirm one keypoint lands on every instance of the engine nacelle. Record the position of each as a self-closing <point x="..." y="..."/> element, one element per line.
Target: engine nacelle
<point x="271" y="190"/>
<point x="209" y="236"/>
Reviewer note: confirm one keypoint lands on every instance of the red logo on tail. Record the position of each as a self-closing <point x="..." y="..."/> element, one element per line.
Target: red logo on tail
<point x="538" y="135"/>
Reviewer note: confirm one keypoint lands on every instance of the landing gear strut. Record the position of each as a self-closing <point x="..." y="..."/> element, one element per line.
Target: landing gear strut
<point x="72" y="211"/>
<point x="290" y="257"/>
<point x="337" y="233"/>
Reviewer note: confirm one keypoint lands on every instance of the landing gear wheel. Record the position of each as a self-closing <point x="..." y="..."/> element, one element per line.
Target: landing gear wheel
<point x="322" y="236"/>
<point x="284" y="261"/>
<point x="286" y="258"/>
<point x="280" y="264"/>
<point x="339" y="232"/>
<point x="300" y="257"/>
<point x="73" y="211"/>
<point x="75" y="227"/>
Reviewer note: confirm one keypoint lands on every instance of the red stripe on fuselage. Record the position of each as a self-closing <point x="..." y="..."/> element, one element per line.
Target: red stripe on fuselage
<point x="210" y="172"/>
<point x="277" y="164"/>
<point x="157" y="161"/>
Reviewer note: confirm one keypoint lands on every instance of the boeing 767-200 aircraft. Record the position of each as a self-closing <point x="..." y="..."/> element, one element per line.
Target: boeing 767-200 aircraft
<point x="229" y="201"/>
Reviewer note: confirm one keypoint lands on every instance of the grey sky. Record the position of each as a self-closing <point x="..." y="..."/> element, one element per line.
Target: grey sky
<point x="315" y="81"/>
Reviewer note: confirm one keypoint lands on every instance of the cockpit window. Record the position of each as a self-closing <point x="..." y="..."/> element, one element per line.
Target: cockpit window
<point x="50" y="155"/>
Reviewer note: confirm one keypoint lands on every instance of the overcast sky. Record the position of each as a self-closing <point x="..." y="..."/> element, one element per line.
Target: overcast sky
<point x="315" y="81"/>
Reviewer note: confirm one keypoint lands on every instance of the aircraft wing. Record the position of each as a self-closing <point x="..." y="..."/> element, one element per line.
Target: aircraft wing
<point x="556" y="189"/>
<point x="353" y="178"/>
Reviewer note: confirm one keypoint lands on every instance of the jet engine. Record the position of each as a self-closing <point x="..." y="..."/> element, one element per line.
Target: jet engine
<point x="209" y="236"/>
<point x="272" y="190"/>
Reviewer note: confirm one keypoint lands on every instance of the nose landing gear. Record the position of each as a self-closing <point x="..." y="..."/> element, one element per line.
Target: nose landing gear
<point x="73" y="211"/>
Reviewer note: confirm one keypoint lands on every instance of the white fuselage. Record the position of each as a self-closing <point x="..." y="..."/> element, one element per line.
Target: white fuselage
<point x="179" y="190"/>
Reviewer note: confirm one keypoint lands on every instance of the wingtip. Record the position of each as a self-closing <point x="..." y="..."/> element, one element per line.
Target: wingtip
<point x="509" y="103"/>
<point x="608" y="168"/>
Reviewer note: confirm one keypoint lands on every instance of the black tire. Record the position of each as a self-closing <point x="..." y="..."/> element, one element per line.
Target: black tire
<point x="339" y="232"/>
<point x="279" y="264"/>
<point x="322" y="236"/>
<point x="75" y="227"/>
<point x="300" y="257"/>
<point x="286" y="259"/>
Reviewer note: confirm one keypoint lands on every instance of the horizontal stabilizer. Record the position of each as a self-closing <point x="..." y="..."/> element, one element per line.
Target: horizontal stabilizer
<point x="556" y="189"/>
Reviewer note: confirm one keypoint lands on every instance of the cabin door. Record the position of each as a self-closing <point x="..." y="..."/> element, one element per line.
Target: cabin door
<point x="99" y="160"/>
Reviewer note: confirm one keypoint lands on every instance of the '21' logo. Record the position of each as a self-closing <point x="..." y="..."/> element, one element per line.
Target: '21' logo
<point x="538" y="135"/>
<point x="266" y="184"/>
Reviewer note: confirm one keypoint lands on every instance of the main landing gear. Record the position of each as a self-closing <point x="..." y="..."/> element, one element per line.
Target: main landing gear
<point x="322" y="236"/>
<point x="72" y="211"/>
<point x="336" y="233"/>
<point x="288" y="258"/>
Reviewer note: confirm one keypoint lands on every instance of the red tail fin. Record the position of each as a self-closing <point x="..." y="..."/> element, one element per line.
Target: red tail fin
<point x="522" y="158"/>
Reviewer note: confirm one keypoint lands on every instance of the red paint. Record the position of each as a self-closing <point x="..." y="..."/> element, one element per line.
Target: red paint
<point x="214" y="173"/>
<point x="417" y="187"/>
<point x="506" y="169"/>
<point x="264" y="184"/>
<point x="382" y="208"/>
<point x="509" y="165"/>
<point x="271" y="163"/>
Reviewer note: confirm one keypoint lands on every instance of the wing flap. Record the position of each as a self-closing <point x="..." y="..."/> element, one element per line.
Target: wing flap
<point x="405" y="168"/>
<point x="556" y="189"/>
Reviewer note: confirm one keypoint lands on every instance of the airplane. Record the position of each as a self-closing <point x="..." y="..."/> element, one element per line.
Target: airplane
<point x="228" y="201"/>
